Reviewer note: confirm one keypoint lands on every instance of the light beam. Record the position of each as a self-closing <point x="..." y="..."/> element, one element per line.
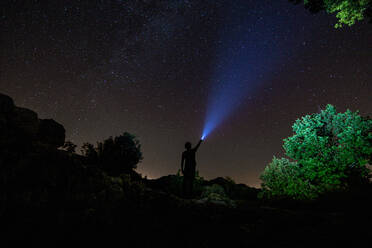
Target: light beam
<point x="244" y="57"/>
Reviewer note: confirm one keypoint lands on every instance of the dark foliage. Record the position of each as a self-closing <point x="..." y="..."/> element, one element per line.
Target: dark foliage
<point x="116" y="155"/>
<point x="235" y="191"/>
<point x="348" y="12"/>
<point x="120" y="154"/>
<point x="69" y="147"/>
<point x="313" y="6"/>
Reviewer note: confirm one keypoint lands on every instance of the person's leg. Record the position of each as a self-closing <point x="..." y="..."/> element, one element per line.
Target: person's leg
<point x="191" y="187"/>
<point x="192" y="178"/>
<point x="186" y="183"/>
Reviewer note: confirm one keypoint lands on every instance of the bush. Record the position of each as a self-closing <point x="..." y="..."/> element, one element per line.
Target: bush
<point x="284" y="179"/>
<point x="216" y="192"/>
<point x="214" y="189"/>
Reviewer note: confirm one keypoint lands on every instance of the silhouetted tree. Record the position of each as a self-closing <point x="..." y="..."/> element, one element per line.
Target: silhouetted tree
<point x="347" y="11"/>
<point x="69" y="147"/>
<point x="90" y="153"/>
<point x="120" y="154"/>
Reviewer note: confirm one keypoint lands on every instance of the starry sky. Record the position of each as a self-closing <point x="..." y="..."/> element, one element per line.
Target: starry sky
<point x="150" y="67"/>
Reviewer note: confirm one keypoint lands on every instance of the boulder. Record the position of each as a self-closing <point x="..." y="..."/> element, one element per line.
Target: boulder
<point x="25" y="121"/>
<point x="6" y="107"/>
<point x="51" y="133"/>
<point x="6" y="104"/>
<point x="22" y="126"/>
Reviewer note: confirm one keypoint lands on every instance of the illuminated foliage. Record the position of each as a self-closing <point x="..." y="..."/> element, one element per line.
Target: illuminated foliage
<point x="284" y="179"/>
<point x="331" y="149"/>
<point x="347" y="11"/>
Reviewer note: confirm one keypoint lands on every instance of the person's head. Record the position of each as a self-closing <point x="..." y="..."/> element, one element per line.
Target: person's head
<point x="188" y="145"/>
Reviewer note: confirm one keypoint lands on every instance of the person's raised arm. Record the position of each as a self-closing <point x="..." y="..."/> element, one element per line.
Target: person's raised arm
<point x="197" y="146"/>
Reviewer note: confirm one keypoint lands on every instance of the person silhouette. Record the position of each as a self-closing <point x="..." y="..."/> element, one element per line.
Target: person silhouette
<point x="188" y="168"/>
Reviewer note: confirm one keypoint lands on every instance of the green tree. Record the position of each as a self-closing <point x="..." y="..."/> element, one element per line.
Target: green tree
<point x="284" y="179"/>
<point x="331" y="151"/>
<point x="347" y="11"/>
<point x="332" y="148"/>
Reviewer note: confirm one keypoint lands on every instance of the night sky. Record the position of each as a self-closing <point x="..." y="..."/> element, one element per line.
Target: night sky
<point x="153" y="68"/>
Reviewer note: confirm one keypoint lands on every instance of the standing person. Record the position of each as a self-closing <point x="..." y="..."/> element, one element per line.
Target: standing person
<point x="188" y="168"/>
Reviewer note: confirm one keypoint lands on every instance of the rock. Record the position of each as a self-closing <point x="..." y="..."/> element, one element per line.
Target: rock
<point x="6" y="107"/>
<point x="25" y="121"/>
<point x="51" y="133"/>
<point x="6" y="104"/>
<point x="19" y="126"/>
